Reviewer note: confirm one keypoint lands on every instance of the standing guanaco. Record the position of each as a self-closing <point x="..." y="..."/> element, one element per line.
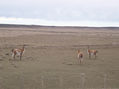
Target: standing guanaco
<point x="80" y="56"/>
<point x="18" y="51"/>
<point x="92" y="52"/>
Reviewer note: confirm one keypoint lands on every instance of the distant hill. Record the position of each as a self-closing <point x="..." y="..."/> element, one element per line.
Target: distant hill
<point x="41" y="26"/>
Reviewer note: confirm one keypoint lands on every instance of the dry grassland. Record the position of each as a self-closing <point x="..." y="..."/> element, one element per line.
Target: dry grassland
<point x="50" y="59"/>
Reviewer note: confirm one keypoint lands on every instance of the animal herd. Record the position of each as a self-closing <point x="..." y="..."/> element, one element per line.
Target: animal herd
<point x="91" y="52"/>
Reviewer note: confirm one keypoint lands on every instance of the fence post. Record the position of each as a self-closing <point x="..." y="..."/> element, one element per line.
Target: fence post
<point x="42" y="82"/>
<point x="105" y="81"/>
<point x="22" y="82"/>
<point x="0" y="83"/>
<point x="82" y="80"/>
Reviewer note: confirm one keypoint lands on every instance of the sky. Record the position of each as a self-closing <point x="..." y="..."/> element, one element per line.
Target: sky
<point x="60" y="12"/>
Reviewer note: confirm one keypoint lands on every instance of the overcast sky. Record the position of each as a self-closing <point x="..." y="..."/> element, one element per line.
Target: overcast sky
<point x="60" y="12"/>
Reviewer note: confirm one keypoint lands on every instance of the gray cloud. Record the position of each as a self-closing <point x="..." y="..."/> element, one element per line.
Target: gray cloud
<point x="62" y="10"/>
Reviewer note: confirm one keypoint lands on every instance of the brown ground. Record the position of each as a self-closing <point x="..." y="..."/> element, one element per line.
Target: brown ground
<point x="51" y="53"/>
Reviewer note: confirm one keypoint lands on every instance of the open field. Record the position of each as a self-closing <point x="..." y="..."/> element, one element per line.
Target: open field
<point x="50" y="59"/>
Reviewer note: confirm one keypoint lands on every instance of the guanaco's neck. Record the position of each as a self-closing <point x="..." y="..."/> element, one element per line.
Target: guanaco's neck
<point x="23" y="48"/>
<point x="78" y="51"/>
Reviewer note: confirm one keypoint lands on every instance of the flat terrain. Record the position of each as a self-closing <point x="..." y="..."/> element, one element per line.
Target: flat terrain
<point x="50" y="58"/>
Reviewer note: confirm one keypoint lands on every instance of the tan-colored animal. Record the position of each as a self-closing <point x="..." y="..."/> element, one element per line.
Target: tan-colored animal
<point x="92" y="52"/>
<point x="18" y="51"/>
<point x="80" y="56"/>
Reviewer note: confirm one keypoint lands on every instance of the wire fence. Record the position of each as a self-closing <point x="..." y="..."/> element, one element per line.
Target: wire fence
<point x="66" y="82"/>
<point x="57" y="82"/>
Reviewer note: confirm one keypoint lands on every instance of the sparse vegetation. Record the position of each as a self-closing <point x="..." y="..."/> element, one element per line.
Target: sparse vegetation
<point x="52" y="53"/>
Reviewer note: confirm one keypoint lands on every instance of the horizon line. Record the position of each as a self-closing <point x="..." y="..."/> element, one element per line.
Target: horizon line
<point x="58" y="25"/>
<point x="43" y="22"/>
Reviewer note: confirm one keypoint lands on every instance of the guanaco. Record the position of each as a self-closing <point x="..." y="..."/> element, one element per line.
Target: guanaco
<point x="80" y="56"/>
<point x="92" y="52"/>
<point x="18" y="51"/>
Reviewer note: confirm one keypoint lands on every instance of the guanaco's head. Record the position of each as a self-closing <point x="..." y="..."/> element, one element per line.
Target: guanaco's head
<point x="12" y="50"/>
<point x="24" y="45"/>
<point x="78" y="51"/>
<point x="96" y="51"/>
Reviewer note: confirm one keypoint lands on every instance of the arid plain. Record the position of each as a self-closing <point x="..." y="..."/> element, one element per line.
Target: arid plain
<point x="50" y="58"/>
